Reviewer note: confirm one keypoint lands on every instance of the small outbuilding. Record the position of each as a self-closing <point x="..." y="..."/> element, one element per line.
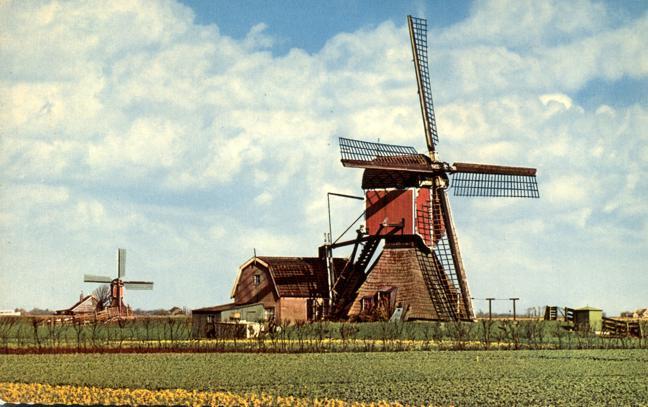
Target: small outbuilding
<point x="211" y="321"/>
<point x="588" y="317"/>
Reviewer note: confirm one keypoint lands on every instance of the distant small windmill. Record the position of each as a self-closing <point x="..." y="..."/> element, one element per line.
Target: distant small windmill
<point x="117" y="285"/>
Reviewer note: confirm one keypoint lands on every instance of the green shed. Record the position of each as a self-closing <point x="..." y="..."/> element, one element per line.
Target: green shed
<point x="589" y="317"/>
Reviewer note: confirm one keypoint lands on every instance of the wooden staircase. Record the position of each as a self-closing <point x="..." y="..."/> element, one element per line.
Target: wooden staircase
<point x="551" y="313"/>
<point x="353" y="275"/>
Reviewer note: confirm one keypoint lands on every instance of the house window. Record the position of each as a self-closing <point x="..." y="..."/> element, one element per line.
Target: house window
<point x="257" y="279"/>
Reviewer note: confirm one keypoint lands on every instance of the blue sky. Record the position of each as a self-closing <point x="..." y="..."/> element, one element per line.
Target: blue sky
<point x="308" y="25"/>
<point x="193" y="133"/>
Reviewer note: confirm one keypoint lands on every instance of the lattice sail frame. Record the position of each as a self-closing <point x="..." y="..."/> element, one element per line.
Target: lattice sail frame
<point x="418" y="36"/>
<point x="443" y="285"/>
<point x="357" y="153"/>
<point x="495" y="185"/>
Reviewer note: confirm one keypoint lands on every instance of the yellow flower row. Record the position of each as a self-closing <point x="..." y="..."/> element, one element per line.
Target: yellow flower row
<point x="48" y="394"/>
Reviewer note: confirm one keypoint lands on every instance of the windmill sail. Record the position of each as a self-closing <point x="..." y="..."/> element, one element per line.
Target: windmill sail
<point x="494" y="181"/>
<point x="444" y="271"/>
<point x="464" y="299"/>
<point x="138" y="285"/>
<point x="494" y="169"/>
<point x="121" y="263"/>
<point x="91" y="278"/>
<point x="365" y="154"/>
<point x="418" y="37"/>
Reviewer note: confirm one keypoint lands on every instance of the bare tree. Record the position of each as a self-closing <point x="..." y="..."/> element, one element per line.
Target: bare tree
<point x="103" y="294"/>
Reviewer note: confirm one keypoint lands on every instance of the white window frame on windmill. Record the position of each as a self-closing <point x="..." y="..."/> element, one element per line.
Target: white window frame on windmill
<point x="415" y="193"/>
<point x="417" y="228"/>
<point x="257" y="279"/>
<point x="366" y="303"/>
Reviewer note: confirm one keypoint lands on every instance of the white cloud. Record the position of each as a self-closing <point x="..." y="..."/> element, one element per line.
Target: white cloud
<point x="256" y="38"/>
<point x="605" y="110"/>
<point x="578" y="217"/>
<point x="263" y="198"/>
<point x="569" y="190"/>
<point x="558" y="98"/>
<point x="125" y="122"/>
<point x="528" y="46"/>
<point x="527" y="23"/>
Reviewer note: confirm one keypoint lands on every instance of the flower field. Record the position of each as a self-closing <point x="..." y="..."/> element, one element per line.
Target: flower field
<point x="556" y="377"/>
<point x="48" y="394"/>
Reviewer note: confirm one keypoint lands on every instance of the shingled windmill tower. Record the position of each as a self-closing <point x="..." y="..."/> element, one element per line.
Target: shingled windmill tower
<point x="420" y="271"/>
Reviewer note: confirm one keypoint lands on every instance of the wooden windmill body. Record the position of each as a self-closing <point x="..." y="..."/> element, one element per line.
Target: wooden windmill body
<point x="420" y="270"/>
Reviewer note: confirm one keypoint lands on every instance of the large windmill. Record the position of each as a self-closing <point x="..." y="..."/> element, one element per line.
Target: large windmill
<point x="407" y="206"/>
<point x="117" y="285"/>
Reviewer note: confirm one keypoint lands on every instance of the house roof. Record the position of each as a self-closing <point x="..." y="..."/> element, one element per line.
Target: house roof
<point x="587" y="308"/>
<point x="295" y="276"/>
<point x="90" y="297"/>
<point x="224" y="307"/>
<point x="216" y="308"/>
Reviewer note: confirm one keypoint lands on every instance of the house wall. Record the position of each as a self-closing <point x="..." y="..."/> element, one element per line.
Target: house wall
<point x="398" y="268"/>
<point x="292" y="309"/>
<point x="247" y="291"/>
<point x="591" y="318"/>
<point x="251" y="313"/>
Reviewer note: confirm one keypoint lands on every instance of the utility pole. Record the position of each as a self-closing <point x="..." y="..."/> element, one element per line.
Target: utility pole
<point x="514" y="300"/>
<point x="490" y="308"/>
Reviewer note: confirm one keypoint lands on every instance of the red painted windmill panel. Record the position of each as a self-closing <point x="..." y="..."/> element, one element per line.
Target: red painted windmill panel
<point x="389" y="207"/>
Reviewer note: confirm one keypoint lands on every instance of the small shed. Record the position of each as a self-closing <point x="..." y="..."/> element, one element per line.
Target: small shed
<point x="589" y="317"/>
<point x="207" y="321"/>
